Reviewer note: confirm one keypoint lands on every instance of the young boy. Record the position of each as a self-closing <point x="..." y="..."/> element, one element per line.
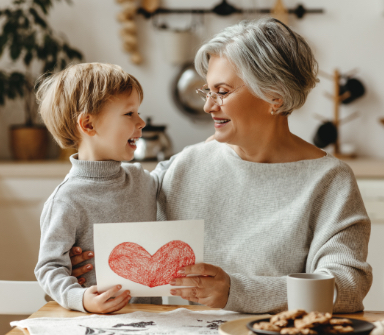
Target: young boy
<point x="94" y="108"/>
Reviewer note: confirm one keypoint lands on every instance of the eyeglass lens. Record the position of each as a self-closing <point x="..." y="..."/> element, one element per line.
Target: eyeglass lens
<point x="205" y="94"/>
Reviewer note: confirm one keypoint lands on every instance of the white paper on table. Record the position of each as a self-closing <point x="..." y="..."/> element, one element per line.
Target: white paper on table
<point x="178" y="322"/>
<point x="151" y="236"/>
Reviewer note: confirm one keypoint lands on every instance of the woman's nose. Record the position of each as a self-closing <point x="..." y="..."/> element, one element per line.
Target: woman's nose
<point x="210" y="106"/>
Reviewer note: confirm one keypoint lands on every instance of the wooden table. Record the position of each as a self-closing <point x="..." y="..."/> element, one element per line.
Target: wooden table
<point x="54" y="310"/>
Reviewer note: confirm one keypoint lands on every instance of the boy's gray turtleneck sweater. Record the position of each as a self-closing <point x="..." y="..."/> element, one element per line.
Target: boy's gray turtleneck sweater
<point x="92" y="192"/>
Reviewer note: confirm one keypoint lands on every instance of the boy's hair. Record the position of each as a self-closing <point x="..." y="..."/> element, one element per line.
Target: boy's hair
<point x="80" y="89"/>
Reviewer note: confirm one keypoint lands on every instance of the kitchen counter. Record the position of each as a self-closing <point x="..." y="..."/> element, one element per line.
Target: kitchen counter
<point x="367" y="167"/>
<point x="44" y="169"/>
<point x="362" y="168"/>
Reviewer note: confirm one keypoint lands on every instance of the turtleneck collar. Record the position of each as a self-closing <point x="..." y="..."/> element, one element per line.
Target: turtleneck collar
<point x="94" y="169"/>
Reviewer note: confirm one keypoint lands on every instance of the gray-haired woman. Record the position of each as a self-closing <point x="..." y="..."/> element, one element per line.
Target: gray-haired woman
<point x="273" y="204"/>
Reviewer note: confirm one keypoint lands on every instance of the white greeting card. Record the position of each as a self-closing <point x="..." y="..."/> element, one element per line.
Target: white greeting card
<point x="144" y="256"/>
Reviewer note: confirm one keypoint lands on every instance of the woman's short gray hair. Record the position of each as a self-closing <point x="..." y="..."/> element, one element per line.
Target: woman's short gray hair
<point x="272" y="60"/>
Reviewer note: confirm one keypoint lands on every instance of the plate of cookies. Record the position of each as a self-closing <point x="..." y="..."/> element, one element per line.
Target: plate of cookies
<point x="299" y="322"/>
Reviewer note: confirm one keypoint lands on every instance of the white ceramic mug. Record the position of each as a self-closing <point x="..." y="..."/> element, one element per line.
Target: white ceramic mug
<point x="311" y="292"/>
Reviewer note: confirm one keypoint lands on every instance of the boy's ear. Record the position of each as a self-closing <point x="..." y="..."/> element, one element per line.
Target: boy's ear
<point x="86" y="124"/>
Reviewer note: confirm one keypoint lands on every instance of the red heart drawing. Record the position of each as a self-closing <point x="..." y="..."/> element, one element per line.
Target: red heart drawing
<point x="131" y="261"/>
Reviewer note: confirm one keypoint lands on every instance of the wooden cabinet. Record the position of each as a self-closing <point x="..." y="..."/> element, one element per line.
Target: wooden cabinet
<point x="24" y="188"/>
<point x="372" y="191"/>
<point x="21" y="203"/>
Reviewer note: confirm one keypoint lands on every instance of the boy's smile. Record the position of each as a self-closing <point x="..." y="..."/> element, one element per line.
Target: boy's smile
<point x="132" y="142"/>
<point x="114" y="132"/>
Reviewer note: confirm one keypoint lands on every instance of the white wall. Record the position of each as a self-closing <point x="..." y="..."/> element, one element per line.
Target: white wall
<point x="347" y="36"/>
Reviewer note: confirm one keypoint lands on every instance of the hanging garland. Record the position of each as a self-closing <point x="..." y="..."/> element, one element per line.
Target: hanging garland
<point x="128" y="31"/>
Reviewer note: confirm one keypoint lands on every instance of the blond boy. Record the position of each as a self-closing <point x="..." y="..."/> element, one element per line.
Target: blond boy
<point x="94" y="108"/>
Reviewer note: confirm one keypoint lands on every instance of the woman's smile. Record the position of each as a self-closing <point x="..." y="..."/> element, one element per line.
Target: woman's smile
<point x="220" y="123"/>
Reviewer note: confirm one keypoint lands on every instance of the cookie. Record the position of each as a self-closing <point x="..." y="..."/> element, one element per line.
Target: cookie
<point x="266" y="326"/>
<point x="313" y="319"/>
<point x="290" y="331"/>
<point x="280" y="322"/>
<point x="341" y="322"/>
<point x="338" y="329"/>
<point x="282" y="318"/>
<point x="297" y="331"/>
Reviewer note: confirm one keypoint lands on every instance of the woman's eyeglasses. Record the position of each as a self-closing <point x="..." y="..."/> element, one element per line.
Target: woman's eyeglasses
<point x="205" y="93"/>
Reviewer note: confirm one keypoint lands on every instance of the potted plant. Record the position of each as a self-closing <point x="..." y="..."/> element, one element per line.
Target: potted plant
<point x="34" y="48"/>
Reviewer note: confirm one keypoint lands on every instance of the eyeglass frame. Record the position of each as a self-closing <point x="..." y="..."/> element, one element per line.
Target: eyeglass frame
<point x="210" y="93"/>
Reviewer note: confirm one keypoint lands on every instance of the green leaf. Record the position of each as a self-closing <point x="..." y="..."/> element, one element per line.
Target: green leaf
<point x="49" y="66"/>
<point x="37" y="18"/>
<point x="28" y="58"/>
<point x="2" y="88"/>
<point x="30" y="41"/>
<point x="51" y="46"/>
<point x="10" y="27"/>
<point x="15" y="48"/>
<point x="77" y="54"/>
<point x="72" y="53"/>
<point x="15" y="16"/>
<point x="65" y="48"/>
<point x="16" y="84"/>
<point x="25" y="23"/>
<point x="43" y="4"/>
<point x="41" y="53"/>
<point x="3" y="77"/>
<point x="63" y="64"/>
<point x="11" y="93"/>
<point x="3" y="42"/>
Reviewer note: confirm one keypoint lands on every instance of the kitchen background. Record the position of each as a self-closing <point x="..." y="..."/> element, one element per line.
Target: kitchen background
<point x="347" y="37"/>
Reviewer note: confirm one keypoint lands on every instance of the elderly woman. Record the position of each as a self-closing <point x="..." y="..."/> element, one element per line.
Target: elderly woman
<point x="273" y="204"/>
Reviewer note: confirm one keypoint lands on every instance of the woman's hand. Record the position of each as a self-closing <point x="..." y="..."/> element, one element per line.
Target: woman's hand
<point x="78" y="256"/>
<point x="106" y="302"/>
<point x="210" y="286"/>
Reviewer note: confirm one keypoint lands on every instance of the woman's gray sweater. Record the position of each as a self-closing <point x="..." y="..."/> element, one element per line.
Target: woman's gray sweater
<point x="265" y="221"/>
<point x="92" y="192"/>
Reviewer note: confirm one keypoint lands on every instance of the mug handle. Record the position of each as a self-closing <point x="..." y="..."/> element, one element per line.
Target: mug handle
<point x="334" y="295"/>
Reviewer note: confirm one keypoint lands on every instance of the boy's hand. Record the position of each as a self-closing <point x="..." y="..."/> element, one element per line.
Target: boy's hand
<point x="106" y="302"/>
<point x="78" y="256"/>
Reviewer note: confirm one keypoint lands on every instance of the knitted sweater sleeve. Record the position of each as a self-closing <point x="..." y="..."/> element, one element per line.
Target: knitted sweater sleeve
<point x="53" y="270"/>
<point x="160" y="170"/>
<point x="339" y="247"/>
<point x="163" y="166"/>
<point x="340" y="240"/>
